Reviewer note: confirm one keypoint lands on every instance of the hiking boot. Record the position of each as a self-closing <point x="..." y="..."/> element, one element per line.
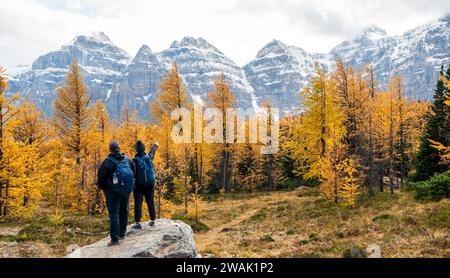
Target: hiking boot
<point x="121" y="237"/>
<point x="137" y="226"/>
<point x="151" y="223"/>
<point x="113" y="243"/>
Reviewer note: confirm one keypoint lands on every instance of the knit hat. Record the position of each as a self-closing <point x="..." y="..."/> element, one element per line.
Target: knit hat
<point x="140" y="147"/>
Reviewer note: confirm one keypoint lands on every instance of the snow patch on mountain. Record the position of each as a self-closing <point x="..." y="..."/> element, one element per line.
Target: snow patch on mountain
<point x="278" y="72"/>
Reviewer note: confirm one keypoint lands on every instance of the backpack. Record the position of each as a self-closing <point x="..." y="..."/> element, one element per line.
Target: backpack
<point x="145" y="171"/>
<point x="123" y="177"/>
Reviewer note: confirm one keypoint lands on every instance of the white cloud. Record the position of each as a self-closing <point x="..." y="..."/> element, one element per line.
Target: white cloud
<point x="29" y="28"/>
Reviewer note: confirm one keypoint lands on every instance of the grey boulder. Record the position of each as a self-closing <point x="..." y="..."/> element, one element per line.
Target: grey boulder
<point x="167" y="239"/>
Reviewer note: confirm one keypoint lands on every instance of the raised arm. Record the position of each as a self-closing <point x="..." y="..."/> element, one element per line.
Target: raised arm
<point x="152" y="152"/>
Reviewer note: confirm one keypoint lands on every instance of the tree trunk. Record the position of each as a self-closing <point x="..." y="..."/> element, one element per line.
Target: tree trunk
<point x="186" y="191"/>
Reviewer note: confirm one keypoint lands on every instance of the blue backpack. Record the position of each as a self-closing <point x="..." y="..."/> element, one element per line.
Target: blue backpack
<point x="123" y="177"/>
<point x="145" y="171"/>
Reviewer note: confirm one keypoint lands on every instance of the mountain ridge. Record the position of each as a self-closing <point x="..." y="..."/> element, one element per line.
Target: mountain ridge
<point x="278" y="72"/>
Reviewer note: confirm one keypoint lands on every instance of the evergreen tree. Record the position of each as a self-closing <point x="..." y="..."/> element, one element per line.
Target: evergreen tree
<point x="428" y="160"/>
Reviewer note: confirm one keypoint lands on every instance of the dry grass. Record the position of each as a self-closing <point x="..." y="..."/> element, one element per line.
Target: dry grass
<point x="286" y="225"/>
<point x="44" y="237"/>
<point x="277" y="224"/>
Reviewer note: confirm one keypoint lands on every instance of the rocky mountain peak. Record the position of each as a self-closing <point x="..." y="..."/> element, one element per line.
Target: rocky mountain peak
<point x="373" y="30"/>
<point x="191" y="42"/>
<point x="445" y="18"/>
<point x="90" y="40"/>
<point x="278" y="72"/>
<point x="144" y="54"/>
<point x="275" y="46"/>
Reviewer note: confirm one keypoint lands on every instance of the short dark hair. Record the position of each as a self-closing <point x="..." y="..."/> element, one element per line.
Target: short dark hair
<point x="114" y="147"/>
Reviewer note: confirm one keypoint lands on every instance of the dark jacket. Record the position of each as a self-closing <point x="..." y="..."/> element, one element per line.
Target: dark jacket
<point x="106" y="170"/>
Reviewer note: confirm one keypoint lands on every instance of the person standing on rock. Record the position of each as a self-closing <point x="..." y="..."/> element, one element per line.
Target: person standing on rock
<point x="116" y="179"/>
<point x="145" y="183"/>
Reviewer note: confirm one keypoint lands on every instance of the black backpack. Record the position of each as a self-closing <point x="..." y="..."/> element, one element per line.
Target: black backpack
<point x="123" y="177"/>
<point x="145" y="171"/>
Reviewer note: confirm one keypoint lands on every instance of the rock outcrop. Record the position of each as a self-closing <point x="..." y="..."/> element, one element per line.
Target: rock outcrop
<point x="167" y="239"/>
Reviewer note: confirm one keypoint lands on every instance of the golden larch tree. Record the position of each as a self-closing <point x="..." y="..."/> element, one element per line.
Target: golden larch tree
<point x="72" y="119"/>
<point x="222" y="98"/>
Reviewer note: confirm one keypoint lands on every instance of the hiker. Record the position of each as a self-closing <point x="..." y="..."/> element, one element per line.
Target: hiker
<point x="145" y="183"/>
<point x="116" y="179"/>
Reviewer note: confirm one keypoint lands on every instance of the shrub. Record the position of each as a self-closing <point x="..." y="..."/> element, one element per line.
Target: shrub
<point x="313" y="237"/>
<point x="197" y="226"/>
<point x="267" y="238"/>
<point x="303" y="242"/>
<point x="439" y="217"/>
<point x="56" y="218"/>
<point x="355" y="252"/>
<point x="434" y="189"/>
<point x="382" y="217"/>
<point x="290" y="232"/>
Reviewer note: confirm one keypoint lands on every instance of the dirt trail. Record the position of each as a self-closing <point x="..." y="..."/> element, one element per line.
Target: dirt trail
<point x="215" y="234"/>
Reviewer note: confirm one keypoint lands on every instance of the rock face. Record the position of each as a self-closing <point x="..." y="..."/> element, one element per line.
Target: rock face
<point x="101" y="62"/>
<point x="139" y="84"/>
<point x="167" y="239"/>
<point x="416" y="55"/>
<point x="278" y="73"/>
<point x="200" y="63"/>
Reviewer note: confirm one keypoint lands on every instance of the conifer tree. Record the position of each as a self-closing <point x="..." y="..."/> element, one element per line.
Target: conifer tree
<point x="7" y="112"/>
<point x="222" y="98"/>
<point x="372" y="86"/>
<point x="348" y="188"/>
<point x="129" y="131"/>
<point x="271" y="171"/>
<point x="319" y="141"/>
<point x="428" y="160"/>
<point x="99" y="136"/>
<point x="29" y="125"/>
<point x="402" y="159"/>
<point x="322" y="118"/>
<point x="72" y="120"/>
<point x="30" y="134"/>
<point x="445" y="149"/>
<point x="172" y="95"/>
<point x="72" y="115"/>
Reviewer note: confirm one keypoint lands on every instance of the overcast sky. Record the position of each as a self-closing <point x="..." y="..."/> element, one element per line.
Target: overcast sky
<point x="29" y="28"/>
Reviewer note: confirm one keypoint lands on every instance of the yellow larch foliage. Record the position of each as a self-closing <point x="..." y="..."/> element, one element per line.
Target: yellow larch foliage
<point x="350" y="183"/>
<point x="322" y="121"/>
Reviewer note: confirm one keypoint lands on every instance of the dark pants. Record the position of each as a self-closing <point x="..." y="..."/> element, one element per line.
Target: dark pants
<point x="139" y="194"/>
<point x="118" y="214"/>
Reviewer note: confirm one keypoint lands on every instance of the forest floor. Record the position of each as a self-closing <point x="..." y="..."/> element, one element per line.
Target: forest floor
<point x="302" y="224"/>
<point x="277" y="224"/>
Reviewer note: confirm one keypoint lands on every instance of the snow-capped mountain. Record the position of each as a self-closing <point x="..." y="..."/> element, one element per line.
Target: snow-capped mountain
<point x="278" y="73"/>
<point x="112" y="76"/>
<point x="138" y="86"/>
<point x="101" y="62"/>
<point x="416" y="55"/>
<point x="200" y="63"/>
